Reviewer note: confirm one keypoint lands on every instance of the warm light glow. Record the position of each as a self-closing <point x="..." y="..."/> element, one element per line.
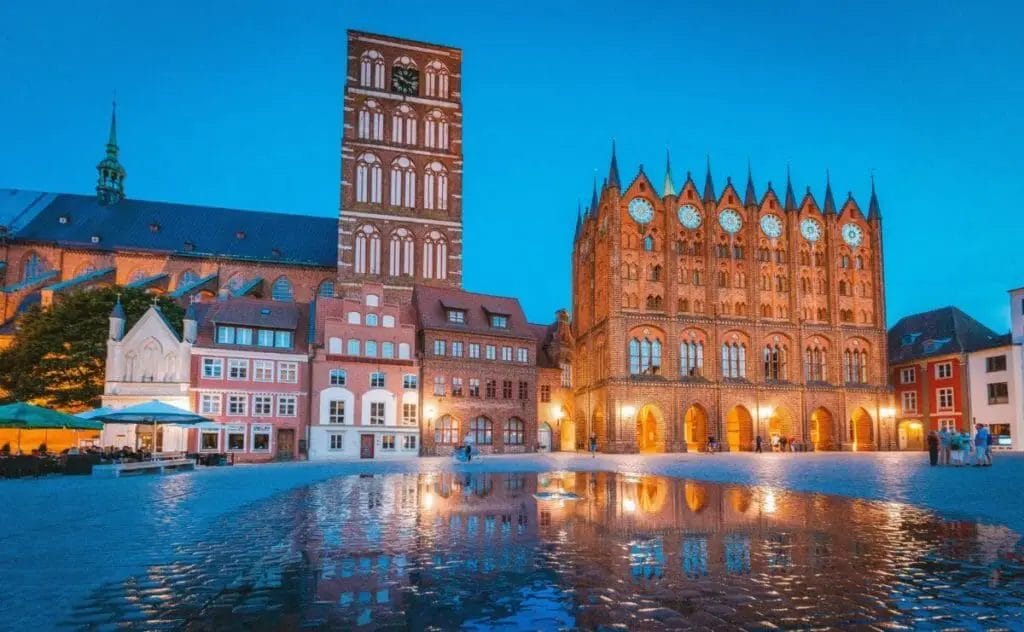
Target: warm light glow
<point x="556" y="412"/>
<point x="628" y="411"/>
<point x="428" y="500"/>
<point x="431" y="411"/>
<point x="915" y="425"/>
<point x="888" y="412"/>
<point x="769" y="505"/>
<point x="766" y="411"/>
<point x="628" y="505"/>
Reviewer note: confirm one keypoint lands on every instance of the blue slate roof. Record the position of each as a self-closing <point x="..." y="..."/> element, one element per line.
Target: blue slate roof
<point x="180" y="229"/>
<point x="938" y="332"/>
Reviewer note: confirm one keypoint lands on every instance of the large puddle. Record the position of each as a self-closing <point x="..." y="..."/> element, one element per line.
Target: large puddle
<point x="572" y="550"/>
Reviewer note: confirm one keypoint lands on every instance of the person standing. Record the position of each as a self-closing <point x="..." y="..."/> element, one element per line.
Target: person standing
<point x="980" y="445"/>
<point x="757" y="444"/>
<point x="945" y="438"/>
<point x="933" y="448"/>
<point x="593" y="446"/>
<point x="988" y="450"/>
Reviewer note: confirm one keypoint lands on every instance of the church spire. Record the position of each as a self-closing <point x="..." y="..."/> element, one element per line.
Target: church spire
<point x="830" y="203"/>
<point x="593" y="200"/>
<point x="579" y="221"/>
<point x="613" y="170"/>
<point x="750" y="198"/>
<point x="709" y="186"/>
<point x="790" y="203"/>
<point x="669" y="187"/>
<point x="874" y="211"/>
<point x="110" y="183"/>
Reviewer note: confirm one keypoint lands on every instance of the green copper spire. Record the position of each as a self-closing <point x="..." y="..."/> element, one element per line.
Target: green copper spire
<point x="669" y="188"/>
<point x="110" y="183"/>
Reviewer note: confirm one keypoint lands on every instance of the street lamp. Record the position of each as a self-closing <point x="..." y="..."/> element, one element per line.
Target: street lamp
<point x="429" y="411"/>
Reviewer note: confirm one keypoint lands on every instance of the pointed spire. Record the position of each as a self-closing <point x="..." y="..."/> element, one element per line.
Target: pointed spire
<point x="613" y="170"/>
<point x="668" y="188"/>
<point x="112" y="138"/>
<point x="110" y="183"/>
<point x="579" y="221"/>
<point x="790" y="203"/>
<point x="874" y="211"/>
<point x="118" y="311"/>
<point x="830" y="203"/>
<point x="750" y="198"/>
<point x="709" y="185"/>
<point x="593" y="199"/>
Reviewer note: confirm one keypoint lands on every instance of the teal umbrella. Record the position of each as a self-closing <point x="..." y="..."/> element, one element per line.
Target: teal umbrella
<point x="24" y="416"/>
<point x="151" y="413"/>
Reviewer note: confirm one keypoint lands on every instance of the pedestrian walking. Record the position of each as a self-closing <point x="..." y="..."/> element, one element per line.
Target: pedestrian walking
<point x="782" y="444"/>
<point x="933" y="448"/>
<point x="757" y="444"/>
<point x="945" y="439"/>
<point x="980" y="445"/>
<point x="593" y="446"/>
<point x="988" y="451"/>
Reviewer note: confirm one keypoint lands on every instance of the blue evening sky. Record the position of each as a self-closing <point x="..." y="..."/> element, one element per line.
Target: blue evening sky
<point x="238" y="104"/>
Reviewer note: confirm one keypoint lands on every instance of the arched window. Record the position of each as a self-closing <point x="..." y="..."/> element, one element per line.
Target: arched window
<point x="371" y="70"/>
<point x="855" y="366"/>
<point x="859" y="262"/>
<point x="235" y="282"/>
<point x="644" y="356"/>
<point x="367" y="255"/>
<point x="326" y="288"/>
<point x="403" y="182"/>
<point x="435" y="256"/>
<point x="654" y="273"/>
<point x="352" y="347"/>
<point x="370" y="121"/>
<point x="805" y="257"/>
<point x="370" y="349"/>
<point x="683" y="305"/>
<point x="371" y="320"/>
<point x="649" y="243"/>
<point x="435" y="130"/>
<point x="446" y="431"/>
<point x="815" y="364"/>
<point x="403" y="125"/>
<point x="437" y="80"/>
<point x="653" y="302"/>
<point x="775" y="362"/>
<point x="691" y="359"/>
<point x="515" y="431"/>
<point x="281" y="290"/>
<point x="34" y="266"/>
<point x="369" y="178"/>
<point x="481" y="431"/>
<point x="334" y="346"/>
<point x="187" y="278"/>
<point x="435" y="186"/>
<point x="734" y="360"/>
<point x="842" y="287"/>
<point x="400" y="253"/>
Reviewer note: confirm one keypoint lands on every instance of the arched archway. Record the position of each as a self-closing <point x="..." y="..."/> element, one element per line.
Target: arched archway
<point x="781" y="424"/>
<point x="739" y="429"/>
<point x="696" y="496"/>
<point x="910" y="435"/>
<point x="567" y="435"/>
<point x="862" y="428"/>
<point x="650" y="426"/>
<point x="821" y="429"/>
<point x="695" y="427"/>
<point x="544" y="436"/>
<point x="652" y="491"/>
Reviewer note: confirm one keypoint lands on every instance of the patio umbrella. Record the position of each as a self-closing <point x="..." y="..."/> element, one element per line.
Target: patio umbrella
<point x="152" y="413"/>
<point x="25" y="416"/>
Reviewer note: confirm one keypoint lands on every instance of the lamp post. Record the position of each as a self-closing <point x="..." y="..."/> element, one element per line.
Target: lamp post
<point x="429" y="411"/>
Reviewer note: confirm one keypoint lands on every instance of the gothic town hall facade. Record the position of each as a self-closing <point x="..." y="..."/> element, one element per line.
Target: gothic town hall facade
<point x="700" y="313"/>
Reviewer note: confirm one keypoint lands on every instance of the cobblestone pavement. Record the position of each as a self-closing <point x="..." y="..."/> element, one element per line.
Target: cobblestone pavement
<point x="65" y="537"/>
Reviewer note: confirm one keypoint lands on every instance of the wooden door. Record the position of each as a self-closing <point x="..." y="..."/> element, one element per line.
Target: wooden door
<point x="366" y="446"/>
<point x="285" y="443"/>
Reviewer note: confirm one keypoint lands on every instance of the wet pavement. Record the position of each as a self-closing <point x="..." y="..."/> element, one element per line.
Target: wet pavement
<point x="555" y="550"/>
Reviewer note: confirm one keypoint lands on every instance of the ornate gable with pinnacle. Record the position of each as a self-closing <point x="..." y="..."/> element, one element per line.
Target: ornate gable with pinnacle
<point x="150" y="361"/>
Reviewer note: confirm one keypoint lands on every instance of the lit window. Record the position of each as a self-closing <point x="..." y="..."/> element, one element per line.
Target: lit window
<point x="439" y="386"/>
<point x="387" y="442"/>
<point x="261" y="437"/>
<point x="409" y="414"/>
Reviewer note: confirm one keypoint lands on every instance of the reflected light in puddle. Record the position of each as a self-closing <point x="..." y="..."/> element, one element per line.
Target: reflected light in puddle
<point x="428" y="500"/>
<point x="768" y="505"/>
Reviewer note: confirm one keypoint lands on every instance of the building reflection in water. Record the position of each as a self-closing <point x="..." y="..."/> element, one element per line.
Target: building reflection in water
<point x="568" y="549"/>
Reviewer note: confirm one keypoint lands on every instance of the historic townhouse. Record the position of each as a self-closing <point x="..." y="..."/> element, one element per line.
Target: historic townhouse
<point x="365" y="388"/>
<point x="478" y="371"/>
<point x="700" y="314"/>
<point x="401" y="165"/>
<point x="250" y="374"/>
<point x="555" y="430"/>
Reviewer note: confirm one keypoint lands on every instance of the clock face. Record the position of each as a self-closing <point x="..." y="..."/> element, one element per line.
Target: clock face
<point x="689" y="216"/>
<point x="771" y="226"/>
<point x="852" y="234"/>
<point x="810" y="229"/>
<point x="730" y="221"/>
<point x="641" y="210"/>
<point x="405" y="80"/>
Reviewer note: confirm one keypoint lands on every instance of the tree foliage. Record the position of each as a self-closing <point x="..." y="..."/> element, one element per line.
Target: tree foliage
<point x="58" y="355"/>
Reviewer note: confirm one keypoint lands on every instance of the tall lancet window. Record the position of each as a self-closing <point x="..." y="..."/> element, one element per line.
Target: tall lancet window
<point x="435" y="256"/>
<point x="400" y="253"/>
<point x="367" y="250"/>
<point x="369" y="179"/>
<point x="403" y="183"/>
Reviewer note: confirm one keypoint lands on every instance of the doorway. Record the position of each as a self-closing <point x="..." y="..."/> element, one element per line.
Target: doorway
<point x="910" y="435"/>
<point x="285" y="444"/>
<point x="544" y="438"/>
<point x="366" y="446"/>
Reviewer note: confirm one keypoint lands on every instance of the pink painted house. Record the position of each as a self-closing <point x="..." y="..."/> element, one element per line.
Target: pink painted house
<point x="365" y="385"/>
<point x="250" y="374"/>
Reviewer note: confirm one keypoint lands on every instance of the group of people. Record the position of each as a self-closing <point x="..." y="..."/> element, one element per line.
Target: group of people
<point x="949" y="447"/>
<point x="781" y="444"/>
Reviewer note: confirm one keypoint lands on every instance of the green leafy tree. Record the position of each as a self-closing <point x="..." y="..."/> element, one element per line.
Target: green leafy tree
<point x="58" y="355"/>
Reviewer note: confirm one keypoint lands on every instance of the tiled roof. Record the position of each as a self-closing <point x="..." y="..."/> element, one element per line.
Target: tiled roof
<point x="256" y="313"/>
<point x="430" y="305"/>
<point x="938" y="332"/>
<point x="181" y="229"/>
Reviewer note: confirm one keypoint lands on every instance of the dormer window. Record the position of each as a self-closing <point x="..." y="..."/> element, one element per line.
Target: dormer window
<point x="154" y="228"/>
<point x="95" y="239"/>
<point x="240" y="234"/>
<point x="63" y="219"/>
<point x="457" y="316"/>
<point x="499" y="321"/>
<point x="189" y="246"/>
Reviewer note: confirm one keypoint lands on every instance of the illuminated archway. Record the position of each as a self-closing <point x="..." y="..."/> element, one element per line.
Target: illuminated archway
<point x="652" y="491"/>
<point x="739" y="429"/>
<point x="649" y="428"/>
<point x="821" y="429"/>
<point x="695" y="427"/>
<point x="910" y="435"/>
<point x="782" y="425"/>
<point x="862" y="429"/>
<point x="567" y="435"/>
<point x="696" y="496"/>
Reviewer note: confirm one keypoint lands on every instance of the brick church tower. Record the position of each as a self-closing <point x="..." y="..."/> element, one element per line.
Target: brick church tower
<point x="702" y="314"/>
<point x="401" y="165"/>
